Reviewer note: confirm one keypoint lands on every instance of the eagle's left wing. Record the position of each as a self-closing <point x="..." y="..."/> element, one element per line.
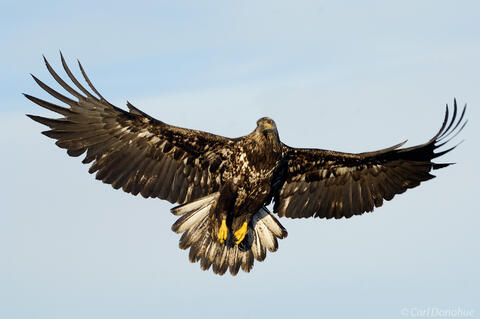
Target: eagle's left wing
<point x="326" y="184"/>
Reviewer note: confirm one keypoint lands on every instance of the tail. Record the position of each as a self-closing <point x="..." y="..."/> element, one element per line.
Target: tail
<point x="194" y="223"/>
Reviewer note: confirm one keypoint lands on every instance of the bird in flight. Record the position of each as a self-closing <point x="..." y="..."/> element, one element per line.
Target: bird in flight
<point x="224" y="185"/>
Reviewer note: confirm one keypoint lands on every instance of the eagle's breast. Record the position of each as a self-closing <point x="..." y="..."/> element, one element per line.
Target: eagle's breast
<point x="251" y="166"/>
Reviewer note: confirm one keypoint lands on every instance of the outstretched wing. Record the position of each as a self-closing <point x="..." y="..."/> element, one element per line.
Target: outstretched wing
<point x="131" y="150"/>
<point x="326" y="184"/>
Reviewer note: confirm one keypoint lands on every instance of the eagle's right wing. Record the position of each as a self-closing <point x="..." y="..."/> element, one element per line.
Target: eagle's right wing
<point x="131" y="150"/>
<point x="326" y="184"/>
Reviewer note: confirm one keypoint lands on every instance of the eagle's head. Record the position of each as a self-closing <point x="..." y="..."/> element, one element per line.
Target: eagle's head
<point x="266" y="126"/>
<point x="267" y="131"/>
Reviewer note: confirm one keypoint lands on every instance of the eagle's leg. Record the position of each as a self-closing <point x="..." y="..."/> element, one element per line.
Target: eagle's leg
<point x="224" y="205"/>
<point x="223" y="231"/>
<point x="241" y="232"/>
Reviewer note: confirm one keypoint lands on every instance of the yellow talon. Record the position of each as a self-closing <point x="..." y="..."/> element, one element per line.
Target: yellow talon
<point x="240" y="234"/>
<point x="223" y="232"/>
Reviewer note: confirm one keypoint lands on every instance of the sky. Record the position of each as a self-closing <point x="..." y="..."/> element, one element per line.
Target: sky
<point x="344" y="75"/>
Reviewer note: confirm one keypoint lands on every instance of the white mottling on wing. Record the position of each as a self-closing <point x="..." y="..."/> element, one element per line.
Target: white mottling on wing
<point x="343" y="170"/>
<point x="144" y="133"/>
<point x="161" y="146"/>
<point x="305" y="204"/>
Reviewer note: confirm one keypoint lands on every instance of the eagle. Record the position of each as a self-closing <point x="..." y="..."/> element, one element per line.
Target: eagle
<point x="223" y="185"/>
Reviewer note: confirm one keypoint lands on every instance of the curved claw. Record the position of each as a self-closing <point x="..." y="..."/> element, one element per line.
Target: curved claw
<point x="240" y="234"/>
<point x="223" y="231"/>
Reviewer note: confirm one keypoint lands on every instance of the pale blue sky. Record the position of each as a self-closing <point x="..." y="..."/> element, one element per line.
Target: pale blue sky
<point x="345" y="75"/>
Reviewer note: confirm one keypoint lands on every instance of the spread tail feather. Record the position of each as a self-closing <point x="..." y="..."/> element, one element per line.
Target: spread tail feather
<point x="194" y="214"/>
<point x="267" y="229"/>
<point x="263" y="232"/>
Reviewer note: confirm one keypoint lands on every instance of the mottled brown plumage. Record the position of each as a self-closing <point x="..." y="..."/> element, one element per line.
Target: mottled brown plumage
<point x="215" y="178"/>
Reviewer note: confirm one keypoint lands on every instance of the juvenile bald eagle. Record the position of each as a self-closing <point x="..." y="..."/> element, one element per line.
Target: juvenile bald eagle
<point x="223" y="185"/>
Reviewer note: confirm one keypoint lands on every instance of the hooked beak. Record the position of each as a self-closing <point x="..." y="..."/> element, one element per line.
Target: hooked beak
<point x="267" y="127"/>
